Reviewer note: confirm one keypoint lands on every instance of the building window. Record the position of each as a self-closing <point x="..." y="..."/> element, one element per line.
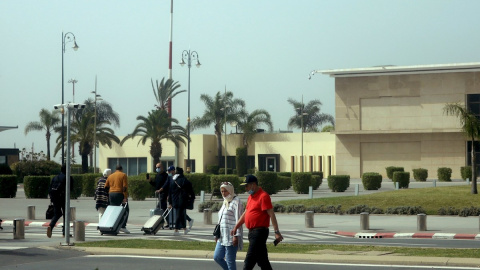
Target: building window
<point x="473" y="104"/>
<point x="292" y="162"/>
<point x="192" y="163"/>
<point x="311" y="164"/>
<point x="320" y="163"/>
<point x="131" y="166"/>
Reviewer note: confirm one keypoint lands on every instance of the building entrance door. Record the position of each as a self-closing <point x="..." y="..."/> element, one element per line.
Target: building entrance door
<point x="271" y="164"/>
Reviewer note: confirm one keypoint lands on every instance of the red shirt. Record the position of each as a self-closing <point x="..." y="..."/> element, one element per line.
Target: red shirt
<point x="256" y="211"/>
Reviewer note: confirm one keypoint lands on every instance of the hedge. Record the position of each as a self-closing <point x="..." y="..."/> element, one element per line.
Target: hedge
<point x="466" y="172"/>
<point x="444" y="174"/>
<point x="420" y="174"/>
<point x="241" y="161"/>
<point x="390" y="170"/>
<point x="338" y="183"/>
<point x="36" y="186"/>
<point x="268" y="181"/>
<point x="35" y="168"/>
<point x="200" y="181"/>
<point x="8" y="186"/>
<point x="403" y="179"/>
<point x="284" y="182"/>
<point x="89" y="183"/>
<point x="301" y="181"/>
<point x="139" y="188"/>
<point x="216" y="181"/>
<point x="372" y="181"/>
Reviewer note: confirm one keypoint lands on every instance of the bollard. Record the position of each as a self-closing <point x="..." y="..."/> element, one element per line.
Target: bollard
<point x="434" y="183"/>
<point x="19" y="228"/>
<point x="397" y="185"/>
<point x="357" y="187"/>
<point x="421" y="222"/>
<point x="202" y="196"/>
<point x="309" y="219"/>
<point x="468" y="181"/>
<point x="79" y="230"/>
<point x="73" y="214"/>
<point x="364" y="221"/>
<point x="207" y="216"/>
<point x="310" y="192"/>
<point x="31" y="212"/>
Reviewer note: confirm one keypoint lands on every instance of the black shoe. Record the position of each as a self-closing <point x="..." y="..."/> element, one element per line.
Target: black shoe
<point x="64" y="235"/>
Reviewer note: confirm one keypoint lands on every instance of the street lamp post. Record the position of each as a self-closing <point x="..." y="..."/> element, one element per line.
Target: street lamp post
<point x="188" y="56"/>
<point x="97" y="97"/>
<point x="68" y="37"/>
<point x="302" y="114"/>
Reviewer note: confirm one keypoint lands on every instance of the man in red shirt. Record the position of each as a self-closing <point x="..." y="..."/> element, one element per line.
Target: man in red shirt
<point x="257" y="216"/>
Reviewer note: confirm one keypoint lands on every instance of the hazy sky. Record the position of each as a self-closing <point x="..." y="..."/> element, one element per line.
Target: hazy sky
<point x="262" y="51"/>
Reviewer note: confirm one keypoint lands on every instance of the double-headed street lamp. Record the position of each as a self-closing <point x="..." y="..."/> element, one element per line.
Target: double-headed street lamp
<point x="68" y="37"/>
<point x="97" y="97"/>
<point x="302" y="114"/>
<point x="187" y="57"/>
<point x="224" y="109"/>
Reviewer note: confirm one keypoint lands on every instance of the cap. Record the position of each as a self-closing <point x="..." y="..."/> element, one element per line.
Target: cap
<point x="249" y="178"/>
<point x="171" y="168"/>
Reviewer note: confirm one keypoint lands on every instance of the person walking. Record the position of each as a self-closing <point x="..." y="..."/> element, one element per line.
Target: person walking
<point x="227" y="245"/>
<point x="101" y="195"/>
<point x="257" y="216"/>
<point x="165" y="189"/>
<point x="179" y="193"/>
<point x="57" y="194"/>
<point x="160" y="178"/>
<point x="116" y="186"/>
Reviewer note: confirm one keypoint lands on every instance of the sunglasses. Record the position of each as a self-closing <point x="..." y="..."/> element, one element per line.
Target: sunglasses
<point x="227" y="183"/>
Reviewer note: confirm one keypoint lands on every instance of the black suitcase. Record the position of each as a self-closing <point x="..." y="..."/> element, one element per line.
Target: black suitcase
<point x="112" y="219"/>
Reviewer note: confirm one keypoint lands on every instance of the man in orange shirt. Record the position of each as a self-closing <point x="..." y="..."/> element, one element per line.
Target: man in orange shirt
<point x="116" y="186"/>
<point x="257" y="216"/>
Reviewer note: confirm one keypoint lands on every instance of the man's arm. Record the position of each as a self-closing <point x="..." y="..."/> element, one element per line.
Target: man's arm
<point x="238" y="225"/>
<point x="273" y="218"/>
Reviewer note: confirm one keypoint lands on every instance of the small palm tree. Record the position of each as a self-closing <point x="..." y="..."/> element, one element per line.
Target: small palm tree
<point x="249" y="123"/>
<point x="48" y="122"/>
<point x="312" y="118"/>
<point x="156" y="127"/>
<point x="471" y="129"/>
<point x="215" y="114"/>
<point x="165" y="91"/>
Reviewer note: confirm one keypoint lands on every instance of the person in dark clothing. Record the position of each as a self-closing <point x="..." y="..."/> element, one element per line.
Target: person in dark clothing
<point x="165" y="188"/>
<point x="57" y="194"/>
<point x="160" y="178"/>
<point x="179" y="194"/>
<point x="101" y="195"/>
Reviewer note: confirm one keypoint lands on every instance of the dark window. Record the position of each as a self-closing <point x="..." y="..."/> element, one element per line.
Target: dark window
<point x="473" y="104"/>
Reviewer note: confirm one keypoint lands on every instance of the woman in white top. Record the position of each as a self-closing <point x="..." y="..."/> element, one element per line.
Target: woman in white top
<point x="232" y="209"/>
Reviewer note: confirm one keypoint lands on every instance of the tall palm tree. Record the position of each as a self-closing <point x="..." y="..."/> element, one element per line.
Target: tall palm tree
<point x="310" y="112"/>
<point x="471" y="129"/>
<point x="249" y="123"/>
<point x="48" y="122"/>
<point x="215" y="114"/>
<point x="165" y="91"/>
<point x="156" y="127"/>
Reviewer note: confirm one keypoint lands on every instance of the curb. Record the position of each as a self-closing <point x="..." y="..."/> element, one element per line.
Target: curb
<point x="462" y="236"/>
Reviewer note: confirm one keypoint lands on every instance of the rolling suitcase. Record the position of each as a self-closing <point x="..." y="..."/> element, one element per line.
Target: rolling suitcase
<point x="112" y="219"/>
<point x="154" y="223"/>
<point x="156" y="211"/>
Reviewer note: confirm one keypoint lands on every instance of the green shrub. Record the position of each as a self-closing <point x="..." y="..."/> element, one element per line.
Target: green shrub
<point x="241" y="161"/>
<point x="405" y="210"/>
<point x="372" y="181"/>
<point x="466" y="172"/>
<point x="338" y="183"/>
<point x="403" y="179"/>
<point x="284" y="182"/>
<point x="8" y="186"/>
<point x="326" y="209"/>
<point x="32" y="168"/>
<point x="301" y="181"/>
<point x="76" y="189"/>
<point x="212" y="205"/>
<point x="5" y="169"/>
<point x="251" y="171"/>
<point x="295" y="208"/>
<point x="444" y="174"/>
<point x="221" y="171"/>
<point x="212" y="169"/>
<point x="138" y="189"/>
<point x="89" y="184"/>
<point x="358" y="209"/>
<point x="279" y="207"/>
<point x="200" y="181"/>
<point x="36" y="186"/>
<point x="316" y="181"/>
<point x="216" y="182"/>
<point x="268" y="181"/>
<point x="420" y="174"/>
<point x="390" y="170"/>
<point x="287" y="174"/>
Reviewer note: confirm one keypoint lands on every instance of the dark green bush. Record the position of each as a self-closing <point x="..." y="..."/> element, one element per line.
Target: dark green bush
<point x="216" y="182"/>
<point x="268" y="181"/>
<point x="390" y="170"/>
<point x="8" y="186"/>
<point x="32" y="168"/>
<point x="358" y="209"/>
<point x="89" y="184"/>
<point x="279" y="208"/>
<point x="138" y="188"/>
<point x="221" y="171"/>
<point x="241" y="161"/>
<point x="466" y="172"/>
<point x="405" y="210"/>
<point x="36" y="186"/>
<point x="444" y="174"/>
<point x="251" y="171"/>
<point x="76" y="190"/>
<point x="284" y="182"/>
<point x="372" y="181"/>
<point x="295" y="208"/>
<point x="403" y="179"/>
<point x="301" y="181"/>
<point x="316" y="181"/>
<point x="331" y="209"/>
<point x="287" y="174"/>
<point x="5" y="169"/>
<point x="200" y="181"/>
<point x="338" y="183"/>
<point x="420" y="174"/>
<point x="212" y="169"/>
<point x="212" y="205"/>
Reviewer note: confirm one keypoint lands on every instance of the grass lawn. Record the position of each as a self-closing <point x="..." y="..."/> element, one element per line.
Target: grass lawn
<point x="431" y="199"/>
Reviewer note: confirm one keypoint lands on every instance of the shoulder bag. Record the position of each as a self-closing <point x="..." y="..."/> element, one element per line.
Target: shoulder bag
<point x="216" y="231"/>
<point x="50" y="212"/>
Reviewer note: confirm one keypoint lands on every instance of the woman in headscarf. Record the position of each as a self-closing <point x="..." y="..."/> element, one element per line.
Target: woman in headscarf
<point x="227" y="245"/>
<point x="101" y="195"/>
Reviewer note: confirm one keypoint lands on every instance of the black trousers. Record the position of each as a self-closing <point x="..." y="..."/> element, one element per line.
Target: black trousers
<point x="58" y="212"/>
<point x="257" y="250"/>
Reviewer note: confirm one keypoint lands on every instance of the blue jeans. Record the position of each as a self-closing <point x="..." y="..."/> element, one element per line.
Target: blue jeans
<point x="225" y="256"/>
<point x="257" y="250"/>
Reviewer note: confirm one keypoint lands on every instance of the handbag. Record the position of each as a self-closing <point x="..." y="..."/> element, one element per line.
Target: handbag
<point x="216" y="230"/>
<point x="50" y="212"/>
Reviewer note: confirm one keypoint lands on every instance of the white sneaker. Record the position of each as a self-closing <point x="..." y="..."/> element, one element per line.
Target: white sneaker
<point x="186" y="231"/>
<point x="176" y="233"/>
<point x="124" y="230"/>
<point x="190" y="224"/>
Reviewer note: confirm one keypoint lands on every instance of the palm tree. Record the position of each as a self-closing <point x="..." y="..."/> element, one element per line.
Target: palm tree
<point x="312" y="118"/>
<point x="471" y="129"/>
<point x="48" y="122"/>
<point x="165" y="91"/>
<point x="249" y="123"/>
<point x="214" y="114"/>
<point x="156" y="127"/>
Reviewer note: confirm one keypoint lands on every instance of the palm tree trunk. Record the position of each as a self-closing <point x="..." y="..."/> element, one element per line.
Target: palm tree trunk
<point x="48" y="145"/>
<point x="85" y="163"/>
<point x="219" y="148"/>
<point x="474" y="169"/>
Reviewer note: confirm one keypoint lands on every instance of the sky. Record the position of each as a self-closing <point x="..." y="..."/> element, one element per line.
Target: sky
<point x="262" y="51"/>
